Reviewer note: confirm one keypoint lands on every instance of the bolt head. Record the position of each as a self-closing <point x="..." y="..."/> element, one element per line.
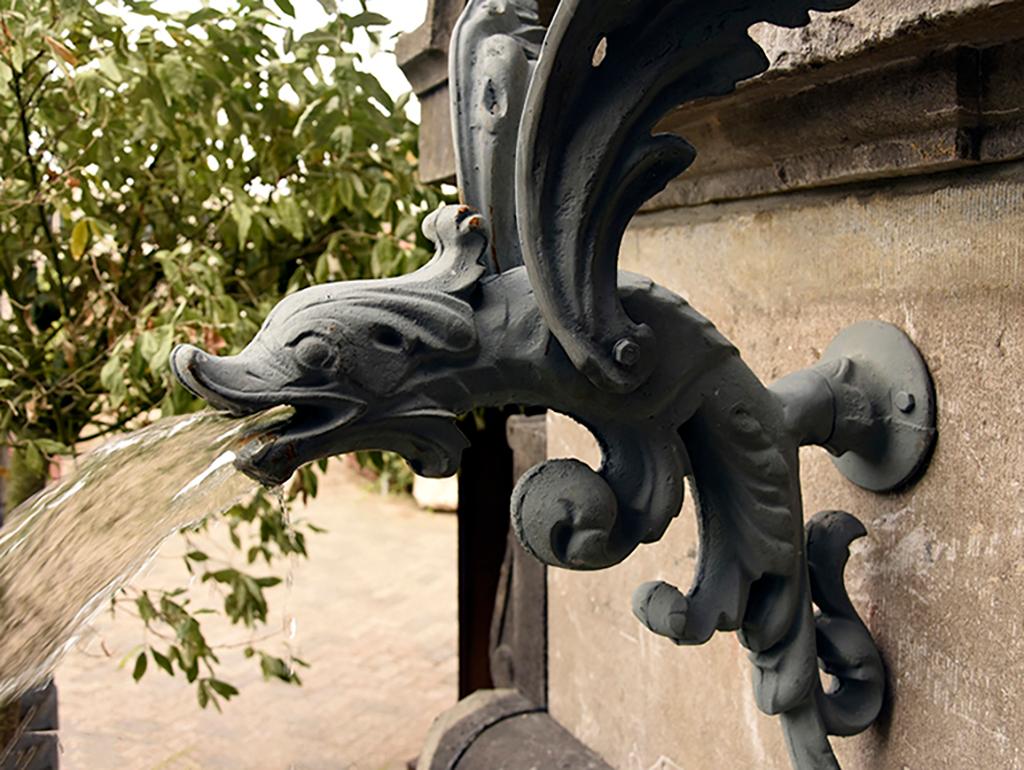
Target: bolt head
<point x="626" y="352"/>
<point x="905" y="402"/>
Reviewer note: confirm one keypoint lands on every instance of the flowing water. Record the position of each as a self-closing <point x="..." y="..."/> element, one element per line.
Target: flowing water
<point x="65" y="552"/>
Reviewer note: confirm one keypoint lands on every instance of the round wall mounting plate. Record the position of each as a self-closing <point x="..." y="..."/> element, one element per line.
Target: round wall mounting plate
<point x="889" y="369"/>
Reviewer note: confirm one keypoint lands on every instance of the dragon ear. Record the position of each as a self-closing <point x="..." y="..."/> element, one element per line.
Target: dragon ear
<point x="459" y="235"/>
<point x="608" y="72"/>
<point x="493" y="52"/>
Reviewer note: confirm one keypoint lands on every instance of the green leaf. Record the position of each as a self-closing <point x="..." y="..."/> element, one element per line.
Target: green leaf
<point x="223" y="688"/>
<point x="407" y="227"/>
<point x="325" y="202"/>
<point x="343" y="137"/>
<point x="109" y="68"/>
<point x="140" y="666"/>
<point x="380" y="198"/>
<point x="113" y="380"/>
<point x="12" y="353"/>
<point x="163" y="661"/>
<point x="242" y="215"/>
<point x="196" y="556"/>
<point x="160" y="358"/>
<point x="146" y="609"/>
<point x="274" y="668"/>
<point x="382" y="257"/>
<point x="222" y="576"/>
<point x="111" y="373"/>
<point x="346" y="192"/>
<point x="50" y="447"/>
<point x="369" y="19"/>
<point x="311" y="109"/>
<point x="321" y="270"/>
<point x="203" y="15"/>
<point x="131" y="654"/>
<point x="147" y="344"/>
<point x="290" y="216"/>
<point x="286" y="6"/>
<point x="18" y="57"/>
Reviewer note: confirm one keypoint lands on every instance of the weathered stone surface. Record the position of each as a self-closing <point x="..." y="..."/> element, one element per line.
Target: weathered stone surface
<point x="529" y="742"/>
<point x="865" y="93"/>
<point x="459" y="727"/>
<point x="938" y="579"/>
<point x="868" y="26"/>
<point x="437" y="153"/>
<point x="861" y="95"/>
<point x="423" y="53"/>
<point x="903" y="118"/>
<point x="501" y="730"/>
<point x="423" y="56"/>
<point x="519" y="638"/>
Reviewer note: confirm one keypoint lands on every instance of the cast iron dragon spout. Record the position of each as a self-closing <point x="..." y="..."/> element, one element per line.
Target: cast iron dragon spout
<point x="360" y="362"/>
<point x="526" y="306"/>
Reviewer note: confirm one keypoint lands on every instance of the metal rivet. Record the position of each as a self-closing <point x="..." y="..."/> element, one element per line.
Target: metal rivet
<point x="905" y="402"/>
<point x="626" y="352"/>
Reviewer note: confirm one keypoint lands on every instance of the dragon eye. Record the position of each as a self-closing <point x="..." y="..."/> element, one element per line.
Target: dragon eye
<point x="387" y="337"/>
<point x="312" y="352"/>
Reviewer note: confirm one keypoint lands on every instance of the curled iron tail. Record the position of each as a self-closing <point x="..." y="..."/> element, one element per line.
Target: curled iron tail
<point x="845" y="647"/>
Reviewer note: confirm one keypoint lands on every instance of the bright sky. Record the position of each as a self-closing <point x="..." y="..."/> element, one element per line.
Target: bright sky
<point x="405" y="15"/>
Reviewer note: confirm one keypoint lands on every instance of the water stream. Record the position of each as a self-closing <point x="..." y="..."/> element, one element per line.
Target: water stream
<point x="64" y="552"/>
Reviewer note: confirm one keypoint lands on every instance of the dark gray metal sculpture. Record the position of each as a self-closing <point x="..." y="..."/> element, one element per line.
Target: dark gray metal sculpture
<point x="523" y="304"/>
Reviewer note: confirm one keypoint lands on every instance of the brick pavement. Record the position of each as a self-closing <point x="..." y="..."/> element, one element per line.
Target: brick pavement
<point x="376" y="616"/>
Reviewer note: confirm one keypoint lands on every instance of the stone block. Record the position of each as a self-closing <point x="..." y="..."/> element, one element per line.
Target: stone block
<point x="938" y="578"/>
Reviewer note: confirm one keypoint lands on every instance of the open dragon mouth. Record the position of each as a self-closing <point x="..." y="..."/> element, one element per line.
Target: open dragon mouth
<point x="274" y="453"/>
<point x="323" y="423"/>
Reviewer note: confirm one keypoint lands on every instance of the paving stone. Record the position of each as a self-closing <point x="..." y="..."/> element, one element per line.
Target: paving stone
<point x="376" y="612"/>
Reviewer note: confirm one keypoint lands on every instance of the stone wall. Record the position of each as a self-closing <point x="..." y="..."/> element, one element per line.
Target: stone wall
<point x="940" y="576"/>
<point x="876" y="171"/>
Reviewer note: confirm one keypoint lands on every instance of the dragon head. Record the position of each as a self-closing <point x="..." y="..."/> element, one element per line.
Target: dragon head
<point x="360" y="363"/>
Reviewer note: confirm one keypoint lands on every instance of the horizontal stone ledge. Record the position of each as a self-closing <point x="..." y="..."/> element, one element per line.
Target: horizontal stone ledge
<point x="868" y="93"/>
<point x="944" y="98"/>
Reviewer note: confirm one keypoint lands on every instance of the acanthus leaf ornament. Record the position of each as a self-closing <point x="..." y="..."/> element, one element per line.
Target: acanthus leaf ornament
<point x="494" y="51"/>
<point x="587" y="160"/>
<point x="523" y="304"/>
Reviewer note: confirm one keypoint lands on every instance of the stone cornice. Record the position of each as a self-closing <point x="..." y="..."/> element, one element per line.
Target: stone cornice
<point x="869" y="93"/>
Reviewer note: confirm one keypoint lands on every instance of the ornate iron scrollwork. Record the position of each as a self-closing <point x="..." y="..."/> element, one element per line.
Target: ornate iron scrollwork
<point x="523" y="304"/>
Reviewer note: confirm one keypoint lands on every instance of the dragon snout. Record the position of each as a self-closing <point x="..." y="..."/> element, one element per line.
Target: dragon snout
<point x="225" y="383"/>
<point x="185" y="363"/>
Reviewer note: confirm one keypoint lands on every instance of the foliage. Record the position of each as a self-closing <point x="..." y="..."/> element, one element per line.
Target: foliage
<point x="392" y="472"/>
<point x="167" y="182"/>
